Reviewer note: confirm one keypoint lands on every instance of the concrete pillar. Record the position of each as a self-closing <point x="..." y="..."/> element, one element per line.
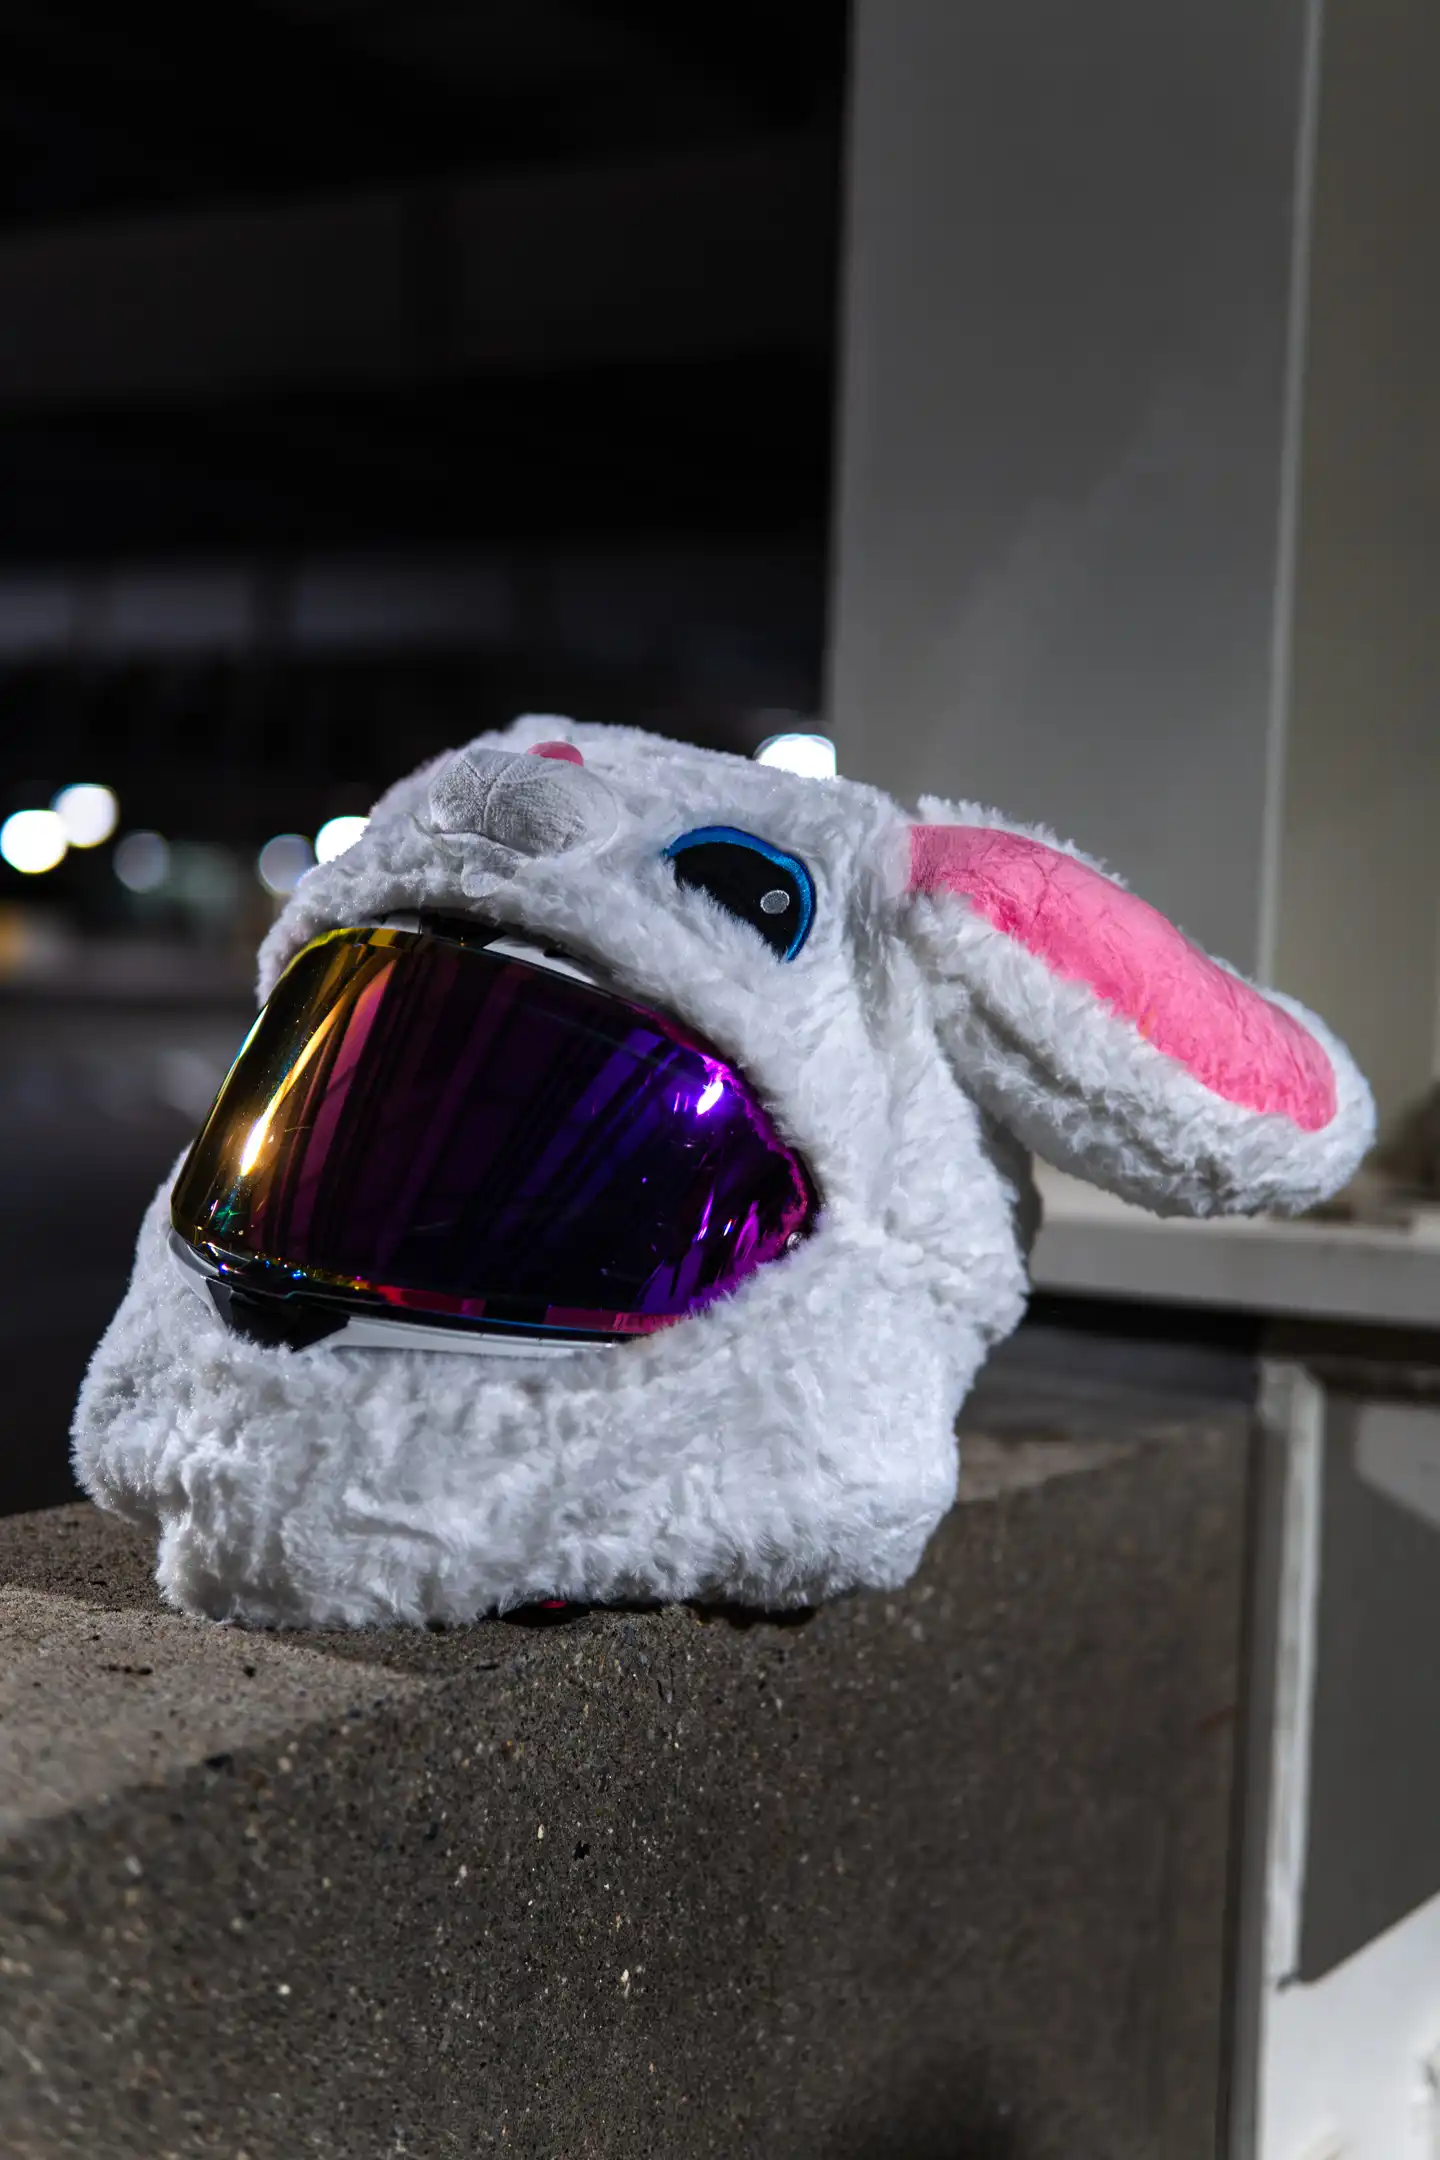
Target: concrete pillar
<point x="1077" y="500"/>
<point x="1358" y="879"/>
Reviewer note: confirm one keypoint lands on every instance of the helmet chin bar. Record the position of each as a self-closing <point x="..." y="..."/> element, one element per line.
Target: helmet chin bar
<point x="298" y="1322"/>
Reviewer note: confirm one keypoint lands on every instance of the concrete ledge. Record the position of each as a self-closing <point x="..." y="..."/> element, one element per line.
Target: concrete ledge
<point x="1093" y="1245"/>
<point x="934" y="1877"/>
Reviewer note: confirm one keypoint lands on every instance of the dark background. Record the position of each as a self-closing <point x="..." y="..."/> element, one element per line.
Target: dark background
<point x="371" y="374"/>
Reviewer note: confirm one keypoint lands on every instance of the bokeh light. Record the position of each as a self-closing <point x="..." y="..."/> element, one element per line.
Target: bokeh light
<point x="142" y="861"/>
<point x="812" y="756"/>
<point x="88" y="812"/>
<point x="283" y="861"/>
<point x="33" y="841"/>
<point x="336" y="835"/>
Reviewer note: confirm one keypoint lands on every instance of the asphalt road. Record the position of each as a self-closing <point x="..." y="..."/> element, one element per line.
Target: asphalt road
<point x="96" y="1102"/>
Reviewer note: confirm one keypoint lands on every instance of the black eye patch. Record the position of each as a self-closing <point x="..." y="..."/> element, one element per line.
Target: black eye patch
<point x="771" y="891"/>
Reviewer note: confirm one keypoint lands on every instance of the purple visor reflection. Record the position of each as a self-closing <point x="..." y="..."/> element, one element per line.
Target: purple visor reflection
<point x="419" y="1125"/>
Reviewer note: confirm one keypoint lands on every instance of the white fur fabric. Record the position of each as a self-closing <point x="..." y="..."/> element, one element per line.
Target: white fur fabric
<point x="795" y="1439"/>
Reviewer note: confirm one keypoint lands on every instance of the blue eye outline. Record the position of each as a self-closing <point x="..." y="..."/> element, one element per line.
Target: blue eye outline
<point x="732" y="836"/>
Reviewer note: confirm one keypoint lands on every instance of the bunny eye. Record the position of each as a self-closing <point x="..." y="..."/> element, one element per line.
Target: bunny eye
<point x="766" y="888"/>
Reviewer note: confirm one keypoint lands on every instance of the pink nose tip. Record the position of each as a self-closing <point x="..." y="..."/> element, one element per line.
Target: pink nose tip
<point x="566" y="751"/>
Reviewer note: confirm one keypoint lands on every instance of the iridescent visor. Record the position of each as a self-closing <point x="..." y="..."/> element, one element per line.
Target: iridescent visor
<point x="421" y="1127"/>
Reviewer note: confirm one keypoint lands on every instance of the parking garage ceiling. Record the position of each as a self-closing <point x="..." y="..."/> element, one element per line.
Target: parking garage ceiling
<point x="105" y="110"/>
<point x="335" y="271"/>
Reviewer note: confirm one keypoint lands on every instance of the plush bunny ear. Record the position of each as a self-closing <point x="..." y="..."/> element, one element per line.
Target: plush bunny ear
<point x="1114" y="1048"/>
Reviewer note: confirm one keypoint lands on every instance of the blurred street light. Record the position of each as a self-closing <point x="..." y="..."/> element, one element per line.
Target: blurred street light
<point x="812" y="756"/>
<point x="142" y="861"/>
<point x="283" y="861"/>
<point x="33" y="841"/>
<point x="88" y="812"/>
<point x="337" y="834"/>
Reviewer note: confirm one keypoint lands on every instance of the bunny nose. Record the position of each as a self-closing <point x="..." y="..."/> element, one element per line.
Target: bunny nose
<point x="533" y="805"/>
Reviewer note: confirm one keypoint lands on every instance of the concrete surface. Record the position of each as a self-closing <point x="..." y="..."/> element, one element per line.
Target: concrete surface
<point x="1064" y="461"/>
<point x="1092" y="1245"/>
<point x="940" y="1876"/>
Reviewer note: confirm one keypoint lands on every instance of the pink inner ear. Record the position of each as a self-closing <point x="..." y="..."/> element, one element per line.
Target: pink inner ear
<point x="566" y="751"/>
<point x="1250" y="1052"/>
